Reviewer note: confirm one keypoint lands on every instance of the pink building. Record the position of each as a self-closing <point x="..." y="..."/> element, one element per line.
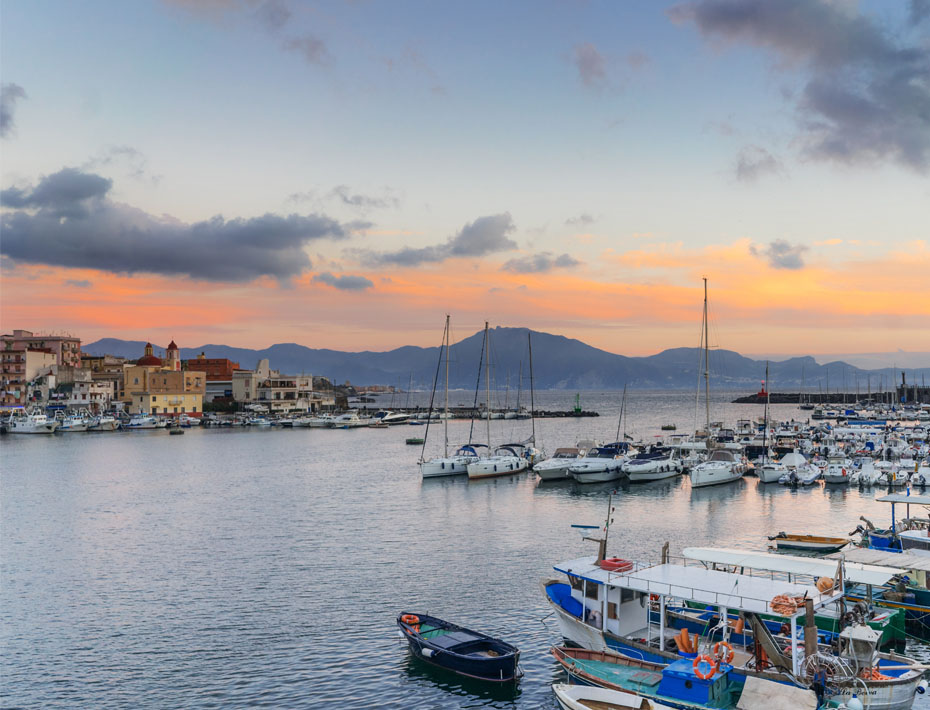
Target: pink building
<point x="67" y="350"/>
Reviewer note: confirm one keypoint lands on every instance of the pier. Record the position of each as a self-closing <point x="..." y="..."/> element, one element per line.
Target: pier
<point x="471" y="413"/>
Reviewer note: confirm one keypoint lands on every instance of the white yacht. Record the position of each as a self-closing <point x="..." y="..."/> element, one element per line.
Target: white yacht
<point x="653" y="464"/>
<point x="391" y="418"/>
<point x="556" y="468"/>
<point x="450" y="465"/>
<point x="772" y="471"/>
<point x="599" y="465"/>
<point x="838" y="470"/>
<point x="32" y="423"/>
<point x="720" y="467"/>
<point x="350" y="420"/>
<point x="142" y="421"/>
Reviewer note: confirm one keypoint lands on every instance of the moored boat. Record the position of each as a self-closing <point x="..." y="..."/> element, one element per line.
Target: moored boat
<point x="586" y="697"/>
<point x="809" y="543"/>
<point x="463" y="651"/>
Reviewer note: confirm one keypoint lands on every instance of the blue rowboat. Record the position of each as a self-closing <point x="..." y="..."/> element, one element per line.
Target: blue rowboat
<point x="466" y="652"/>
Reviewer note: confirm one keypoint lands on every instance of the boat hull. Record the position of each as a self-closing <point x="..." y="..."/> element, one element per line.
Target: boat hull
<point x="452" y="466"/>
<point x="713" y="477"/>
<point x="491" y="468"/>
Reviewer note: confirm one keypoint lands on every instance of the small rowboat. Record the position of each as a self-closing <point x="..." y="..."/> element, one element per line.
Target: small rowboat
<point x="582" y="697"/>
<point x="466" y="652"/>
<point x="811" y="543"/>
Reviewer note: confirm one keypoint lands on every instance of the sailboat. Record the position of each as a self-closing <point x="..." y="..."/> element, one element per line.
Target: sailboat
<point x="445" y="465"/>
<point x="507" y="459"/>
<point x="721" y="466"/>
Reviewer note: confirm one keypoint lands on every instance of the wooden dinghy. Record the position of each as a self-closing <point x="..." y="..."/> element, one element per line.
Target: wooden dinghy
<point x="463" y="651"/>
<point x="583" y="697"/>
<point x="810" y="543"/>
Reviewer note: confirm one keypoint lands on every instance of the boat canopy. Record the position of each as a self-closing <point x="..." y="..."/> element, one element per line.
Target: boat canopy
<point x="904" y="498"/>
<point x="733" y="591"/>
<point x="882" y="558"/>
<point x="791" y="564"/>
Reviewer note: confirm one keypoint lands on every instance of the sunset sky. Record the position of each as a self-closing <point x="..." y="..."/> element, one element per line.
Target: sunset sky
<point x="342" y="174"/>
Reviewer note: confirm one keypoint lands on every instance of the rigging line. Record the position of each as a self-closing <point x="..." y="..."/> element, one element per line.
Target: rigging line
<point x="429" y="414"/>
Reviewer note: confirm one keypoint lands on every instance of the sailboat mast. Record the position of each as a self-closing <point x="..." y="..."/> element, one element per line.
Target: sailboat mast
<point x="529" y="340"/>
<point x="622" y="407"/>
<point x="487" y="381"/>
<point x="706" y="363"/>
<point x="765" y="431"/>
<point x="445" y="447"/>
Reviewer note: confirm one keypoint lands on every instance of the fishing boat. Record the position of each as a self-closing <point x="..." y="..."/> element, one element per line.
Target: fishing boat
<point x="585" y="697"/>
<point x="809" y="543"/>
<point x="31" y="423"/>
<point x="686" y="683"/>
<point x="104" y="422"/>
<point x="463" y="651"/>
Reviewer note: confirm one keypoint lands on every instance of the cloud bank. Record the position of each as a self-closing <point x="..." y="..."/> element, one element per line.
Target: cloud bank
<point x="486" y="235"/>
<point x="345" y="282"/>
<point x="67" y="220"/>
<point x="781" y="254"/>
<point x="539" y="263"/>
<point x="867" y="93"/>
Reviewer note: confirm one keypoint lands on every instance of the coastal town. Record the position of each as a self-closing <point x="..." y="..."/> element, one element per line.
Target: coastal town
<point x="50" y="371"/>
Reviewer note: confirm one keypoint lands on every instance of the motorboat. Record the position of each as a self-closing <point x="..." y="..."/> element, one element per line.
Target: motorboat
<point x="391" y="418"/>
<point x="350" y="420"/>
<point x="507" y="460"/>
<point x="601" y="464"/>
<point x="653" y="464"/>
<point x="142" y="421"/>
<point x="721" y="466"/>
<point x="460" y="650"/>
<point x="838" y="470"/>
<point x="451" y="465"/>
<point x="556" y="468"/>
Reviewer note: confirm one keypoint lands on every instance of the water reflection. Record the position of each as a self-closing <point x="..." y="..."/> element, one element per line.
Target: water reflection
<point x="498" y="695"/>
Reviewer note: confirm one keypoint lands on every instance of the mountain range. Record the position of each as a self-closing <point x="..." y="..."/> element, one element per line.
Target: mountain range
<point x="558" y="363"/>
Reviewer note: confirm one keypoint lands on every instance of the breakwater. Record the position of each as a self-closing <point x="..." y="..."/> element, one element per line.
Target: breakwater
<point x="835" y="399"/>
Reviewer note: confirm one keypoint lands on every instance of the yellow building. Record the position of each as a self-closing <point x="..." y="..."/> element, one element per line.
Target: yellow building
<point x="152" y="386"/>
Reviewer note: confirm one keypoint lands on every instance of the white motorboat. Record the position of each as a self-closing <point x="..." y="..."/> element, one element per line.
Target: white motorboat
<point x="32" y="423"/>
<point x="838" y="470"/>
<point x="866" y="474"/>
<point x="450" y="465"/>
<point x="104" y="422"/>
<point x="142" y="421"/>
<point x="187" y="421"/>
<point x="773" y="471"/>
<point x="720" y="467"/>
<point x="350" y="420"/>
<point x="505" y="461"/>
<point x="321" y="422"/>
<point x="653" y="464"/>
<point x="556" y="468"/>
<point x="599" y="465"/>
<point x="391" y="418"/>
<point x="804" y="475"/>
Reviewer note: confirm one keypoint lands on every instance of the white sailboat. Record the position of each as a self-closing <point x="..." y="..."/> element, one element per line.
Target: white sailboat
<point x="722" y="464"/>
<point x="445" y="465"/>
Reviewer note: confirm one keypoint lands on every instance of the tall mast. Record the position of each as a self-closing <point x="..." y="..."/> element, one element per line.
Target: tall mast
<point x="765" y="431"/>
<point x="622" y="407"/>
<point x="487" y="380"/>
<point x="706" y="363"/>
<point x="445" y="447"/>
<point x="529" y="341"/>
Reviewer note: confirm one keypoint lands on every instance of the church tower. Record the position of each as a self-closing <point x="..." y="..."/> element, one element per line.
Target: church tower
<point x="174" y="357"/>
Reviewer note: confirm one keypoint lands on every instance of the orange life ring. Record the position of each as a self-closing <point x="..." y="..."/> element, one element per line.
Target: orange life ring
<point x="616" y="564"/>
<point x="725" y="657"/>
<point x="704" y="658"/>
<point x="413" y="621"/>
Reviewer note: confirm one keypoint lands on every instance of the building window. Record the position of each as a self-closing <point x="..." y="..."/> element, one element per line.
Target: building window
<point x="175" y="410"/>
<point x="135" y="380"/>
<point x="194" y="408"/>
<point x="154" y="398"/>
<point x="183" y="410"/>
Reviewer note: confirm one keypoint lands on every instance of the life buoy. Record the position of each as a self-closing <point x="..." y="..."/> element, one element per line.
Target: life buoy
<point x="413" y="621"/>
<point x="704" y="658"/>
<point x="616" y="564"/>
<point x="725" y="657"/>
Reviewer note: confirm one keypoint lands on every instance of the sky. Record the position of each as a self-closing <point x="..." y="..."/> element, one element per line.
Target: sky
<point x="343" y="174"/>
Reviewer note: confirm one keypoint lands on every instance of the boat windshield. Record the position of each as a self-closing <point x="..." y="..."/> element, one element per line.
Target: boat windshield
<point x="722" y="455"/>
<point x="602" y="454"/>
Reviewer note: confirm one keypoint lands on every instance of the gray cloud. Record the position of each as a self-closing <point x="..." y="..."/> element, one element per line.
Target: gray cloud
<point x="67" y="193"/>
<point x="867" y="97"/>
<point x="590" y="65"/>
<point x="920" y="11"/>
<point x="67" y="220"/>
<point x="78" y="283"/>
<point x="363" y="202"/>
<point x="781" y="254"/>
<point x="345" y="282"/>
<point x="9" y="95"/>
<point x="485" y="235"/>
<point x="581" y="220"/>
<point x="754" y="162"/>
<point x="539" y="263"/>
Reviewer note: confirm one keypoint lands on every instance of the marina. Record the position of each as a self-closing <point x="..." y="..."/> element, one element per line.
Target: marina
<point x="167" y="512"/>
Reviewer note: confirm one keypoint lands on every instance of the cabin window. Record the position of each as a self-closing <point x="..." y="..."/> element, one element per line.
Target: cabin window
<point x="628" y="595"/>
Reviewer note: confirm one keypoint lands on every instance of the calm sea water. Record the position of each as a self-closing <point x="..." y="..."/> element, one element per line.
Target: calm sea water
<point x="229" y="568"/>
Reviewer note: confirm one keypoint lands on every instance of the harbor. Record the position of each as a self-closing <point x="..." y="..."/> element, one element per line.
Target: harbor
<point x="282" y="516"/>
